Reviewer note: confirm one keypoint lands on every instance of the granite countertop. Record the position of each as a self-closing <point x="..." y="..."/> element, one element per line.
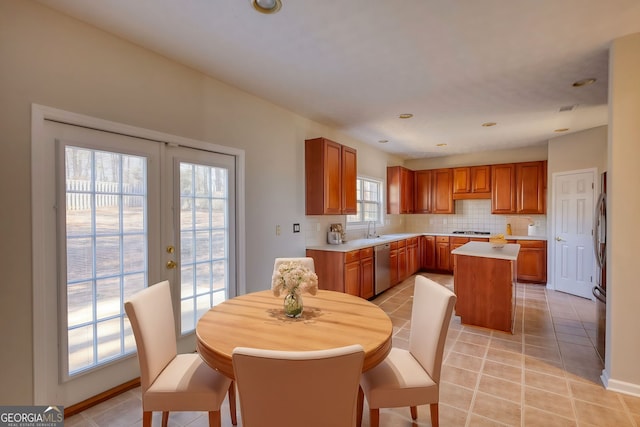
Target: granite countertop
<point x="355" y="244"/>
<point x="486" y="250"/>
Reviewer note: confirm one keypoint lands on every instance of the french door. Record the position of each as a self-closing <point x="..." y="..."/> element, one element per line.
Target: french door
<point x="126" y="212"/>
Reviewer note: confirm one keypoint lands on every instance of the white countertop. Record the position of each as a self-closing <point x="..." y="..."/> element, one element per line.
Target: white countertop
<point x="486" y="250"/>
<point x="352" y="245"/>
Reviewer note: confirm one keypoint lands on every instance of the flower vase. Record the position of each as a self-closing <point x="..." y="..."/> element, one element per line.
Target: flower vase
<point x="293" y="304"/>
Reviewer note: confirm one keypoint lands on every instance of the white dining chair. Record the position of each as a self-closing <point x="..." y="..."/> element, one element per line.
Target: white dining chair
<point x="298" y="388"/>
<point x="412" y="377"/>
<point x="171" y="381"/>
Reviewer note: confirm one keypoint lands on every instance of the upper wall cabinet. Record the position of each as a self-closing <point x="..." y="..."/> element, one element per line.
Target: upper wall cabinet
<point x="424" y="184"/>
<point x="400" y="190"/>
<point x="442" y="192"/>
<point x="331" y="173"/>
<point x="518" y="188"/>
<point x="472" y="182"/>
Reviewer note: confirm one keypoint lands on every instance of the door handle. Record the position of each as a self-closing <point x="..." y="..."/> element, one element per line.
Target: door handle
<point x="560" y="239"/>
<point x="171" y="265"/>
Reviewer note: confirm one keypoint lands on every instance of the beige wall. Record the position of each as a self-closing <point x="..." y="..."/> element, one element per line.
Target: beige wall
<point x="623" y="206"/>
<point x="53" y="60"/>
<point x="525" y="154"/>
<point x="580" y="150"/>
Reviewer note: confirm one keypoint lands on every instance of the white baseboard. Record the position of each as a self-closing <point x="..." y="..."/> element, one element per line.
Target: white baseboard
<point x="619" y="386"/>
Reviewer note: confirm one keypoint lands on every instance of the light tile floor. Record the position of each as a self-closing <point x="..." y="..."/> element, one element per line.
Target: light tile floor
<point x="545" y="374"/>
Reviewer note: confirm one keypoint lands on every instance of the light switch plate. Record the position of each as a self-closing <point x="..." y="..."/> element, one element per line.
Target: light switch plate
<point x="296" y="228"/>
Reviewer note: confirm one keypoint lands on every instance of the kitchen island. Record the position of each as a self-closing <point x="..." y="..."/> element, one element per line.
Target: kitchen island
<point x="484" y="282"/>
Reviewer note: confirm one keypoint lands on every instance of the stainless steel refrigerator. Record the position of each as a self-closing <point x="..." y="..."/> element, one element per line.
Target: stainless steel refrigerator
<point x="600" y="247"/>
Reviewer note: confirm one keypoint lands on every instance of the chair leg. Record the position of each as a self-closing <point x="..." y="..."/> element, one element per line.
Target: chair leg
<point x="232" y="403"/>
<point x="374" y="417"/>
<point x="434" y="415"/>
<point x="146" y="418"/>
<point x="165" y="418"/>
<point x="214" y="419"/>
<point x="414" y="412"/>
<point x="359" y="407"/>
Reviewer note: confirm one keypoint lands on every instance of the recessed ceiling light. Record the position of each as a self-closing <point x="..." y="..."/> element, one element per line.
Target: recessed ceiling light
<point x="405" y="115"/>
<point x="489" y="124"/>
<point x="584" y="82"/>
<point x="441" y="145"/>
<point x="383" y="141"/>
<point x="561" y="130"/>
<point x="266" y="6"/>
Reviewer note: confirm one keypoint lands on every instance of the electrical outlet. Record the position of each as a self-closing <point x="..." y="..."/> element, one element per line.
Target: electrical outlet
<point x="277" y="230"/>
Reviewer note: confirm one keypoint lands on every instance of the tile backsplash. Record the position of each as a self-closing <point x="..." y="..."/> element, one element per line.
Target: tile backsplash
<point x="470" y="215"/>
<point x="475" y="215"/>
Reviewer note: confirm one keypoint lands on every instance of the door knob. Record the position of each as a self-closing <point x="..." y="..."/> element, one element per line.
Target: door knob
<point x="171" y="265"/>
<point x="560" y="239"/>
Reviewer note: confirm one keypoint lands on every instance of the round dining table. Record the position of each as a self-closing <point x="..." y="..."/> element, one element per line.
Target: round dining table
<point x="330" y="319"/>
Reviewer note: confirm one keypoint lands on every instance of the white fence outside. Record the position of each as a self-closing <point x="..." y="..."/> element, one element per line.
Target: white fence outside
<point x="80" y="194"/>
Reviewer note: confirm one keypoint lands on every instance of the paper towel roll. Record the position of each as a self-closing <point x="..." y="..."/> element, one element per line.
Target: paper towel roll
<point x="532" y="230"/>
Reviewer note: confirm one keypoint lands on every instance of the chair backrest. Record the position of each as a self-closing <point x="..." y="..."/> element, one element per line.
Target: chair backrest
<point x="430" y="317"/>
<point x="300" y="388"/>
<point x="306" y="261"/>
<point x="150" y="312"/>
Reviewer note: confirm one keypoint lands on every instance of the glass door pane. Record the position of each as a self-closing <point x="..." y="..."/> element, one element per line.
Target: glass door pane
<point x="205" y="218"/>
<point x="106" y="251"/>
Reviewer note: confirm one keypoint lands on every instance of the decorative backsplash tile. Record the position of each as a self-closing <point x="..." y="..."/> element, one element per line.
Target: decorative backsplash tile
<point x="475" y="215"/>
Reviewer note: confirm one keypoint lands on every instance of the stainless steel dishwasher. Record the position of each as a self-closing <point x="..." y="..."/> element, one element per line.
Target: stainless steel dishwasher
<point x="381" y="259"/>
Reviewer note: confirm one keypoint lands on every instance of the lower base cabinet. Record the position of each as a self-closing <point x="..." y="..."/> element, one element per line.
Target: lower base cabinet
<point x="349" y="272"/>
<point x="532" y="261"/>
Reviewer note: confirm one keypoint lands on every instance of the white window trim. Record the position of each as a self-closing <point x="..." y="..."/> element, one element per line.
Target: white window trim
<point x="43" y="238"/>
<point x="381" y="221"/>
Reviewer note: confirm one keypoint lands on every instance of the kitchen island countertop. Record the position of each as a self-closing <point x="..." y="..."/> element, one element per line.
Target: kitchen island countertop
<point x="486" y="250"/>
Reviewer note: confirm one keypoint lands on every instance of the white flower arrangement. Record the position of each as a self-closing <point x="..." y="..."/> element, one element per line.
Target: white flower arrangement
<point x="293" y="277"/>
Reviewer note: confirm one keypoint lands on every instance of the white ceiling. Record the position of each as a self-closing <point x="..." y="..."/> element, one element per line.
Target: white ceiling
<point x="358" y="64"/>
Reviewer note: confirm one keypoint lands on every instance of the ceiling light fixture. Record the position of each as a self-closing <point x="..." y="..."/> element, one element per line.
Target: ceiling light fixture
<point x="584" y="82"/>
<point x="561" y="130"/>
<point x="489" y="124"/>
<point x="441" y="145"/>
<point x="266" y="6"/>
<point x="405" y="115"/>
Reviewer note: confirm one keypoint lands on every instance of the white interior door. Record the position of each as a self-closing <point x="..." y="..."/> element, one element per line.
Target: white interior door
<point x="573" y="227"/>
<point x="114" y="214"/>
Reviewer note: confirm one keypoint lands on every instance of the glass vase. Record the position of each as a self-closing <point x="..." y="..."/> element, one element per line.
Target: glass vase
<point x="293" y="305"/>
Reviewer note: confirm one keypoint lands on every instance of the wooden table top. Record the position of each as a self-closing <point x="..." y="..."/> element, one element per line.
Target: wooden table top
<point x="330" y="319"/>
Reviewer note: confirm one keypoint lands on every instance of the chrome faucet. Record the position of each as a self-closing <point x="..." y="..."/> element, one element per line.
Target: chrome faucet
<point x="369" y="234"/>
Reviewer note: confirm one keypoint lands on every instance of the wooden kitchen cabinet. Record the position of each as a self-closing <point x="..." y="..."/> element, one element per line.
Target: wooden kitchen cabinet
<point x="518" y="188"/>
<point x="532" y="261"/>
<point x="366" y="273"/>
<point x="400" y="190"/>
<point x="427" y="252"/>
<point x="393" y="263"/>
<point x="402" y="260"/>
<point x="349" y="272"/>
<point x="413" y="256"/>
<point x="423" y="190"/>
<point x="456" y="242"/>
<point x="472" y="182"/>
<point x="331" y="173"/>
<point x="503" y="194"/>
<point x="442" y="192"/>
<point x="443" y="253"/>
<point x="530" y="188"/>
